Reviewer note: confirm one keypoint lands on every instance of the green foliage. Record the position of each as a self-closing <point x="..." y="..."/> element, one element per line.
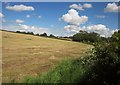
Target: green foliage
<point x="52" y="36"/>
<point x="107" y="67"/>
<point x="68" y="71"/>
<point x="44" y="34"/>
<point x="84" y="36"/>
<point x="31" y="33"/>
<point x="31" y="79"/>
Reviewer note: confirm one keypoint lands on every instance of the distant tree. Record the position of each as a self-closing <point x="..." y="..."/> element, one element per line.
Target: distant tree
<point x="37" y="34"/>
<point x="65" y="37"/>
<point x="84" y="36"/>
<point x="30" y="33"/>
<point x="18" y="32"/>
<point x="71" y="37"/>
<point x="44" y="34"/>
<point x="52" y="36"/>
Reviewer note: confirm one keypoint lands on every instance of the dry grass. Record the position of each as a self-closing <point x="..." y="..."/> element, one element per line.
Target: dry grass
<point x="32" y="55"/>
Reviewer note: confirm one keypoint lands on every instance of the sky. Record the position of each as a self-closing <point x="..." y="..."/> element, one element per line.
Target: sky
<point x="60" y="18"/>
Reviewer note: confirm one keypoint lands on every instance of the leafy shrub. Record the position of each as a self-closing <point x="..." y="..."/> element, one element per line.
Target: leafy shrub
<point x="106" y="70"/>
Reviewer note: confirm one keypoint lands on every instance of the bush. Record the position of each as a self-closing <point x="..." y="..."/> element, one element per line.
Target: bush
<point x="106" y="70"/>
<point x="107" y="67"/>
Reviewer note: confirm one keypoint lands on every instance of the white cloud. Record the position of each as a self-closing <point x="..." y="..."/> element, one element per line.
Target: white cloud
<point x="74" y="22"/>
<point x="24" y="26"/>
<point x="20" y="8"/>
<point x="1" y="15"/>
<point x="115" y="30"/>
<point x="80" y="7"/>
<point x="33" y="29"/>
<point x="112" y="7"/>
<point x="100" y="16"/>
<point x="72" y="28"/>
<point x="99" y="28"/>
<point x="86" y="5"/>
<point x="28" y="16"/>
<point x="73" y="18"/>
<point x="75" y="6"/>
<point x="19" y="21"/>
<point x="22" y="30"/>
<point x="39" y="17"/>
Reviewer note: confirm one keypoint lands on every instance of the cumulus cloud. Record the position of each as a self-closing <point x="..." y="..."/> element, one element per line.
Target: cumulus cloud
<point x="115" y="30"/>
<point x="33" y="29"/>
<point x="20" y="8"/>
<point x="75" y="6"/>
<point x="1" y="15"/>
<point x="112" y="7"/>
<point x="74" y="22"/>
<point x="100" y="29"/>
<point x="25" y="27"/>
<point x="19" y="21"/>
<point x="100" y="16"/>
<point x="28" y="16"/>
<point x="72" y="28"/>
<point x="80" y="7"/>
<point x="73" y="18"/>
<point x="86" y="5"/>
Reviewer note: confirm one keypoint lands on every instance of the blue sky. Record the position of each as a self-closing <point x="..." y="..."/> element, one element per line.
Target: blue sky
<point x="48" y="17"/>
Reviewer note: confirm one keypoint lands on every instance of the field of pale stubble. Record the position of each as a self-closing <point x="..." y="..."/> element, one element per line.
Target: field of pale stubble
<point x="24" y="55"/>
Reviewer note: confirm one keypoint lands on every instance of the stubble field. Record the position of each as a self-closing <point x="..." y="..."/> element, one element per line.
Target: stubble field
<point x="24" y="55"/>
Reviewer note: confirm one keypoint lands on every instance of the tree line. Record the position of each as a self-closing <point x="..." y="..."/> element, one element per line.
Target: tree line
<point x="81" y="36"/>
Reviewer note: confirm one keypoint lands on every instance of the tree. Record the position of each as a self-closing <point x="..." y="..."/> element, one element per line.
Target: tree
<point x="44" y="34"/>
<point x="84" y="36"/>
<point x="30" y="33"/>
<point x="17" y="31"/>
<point x="37" y="34"/>
<point x="52" y="36"/>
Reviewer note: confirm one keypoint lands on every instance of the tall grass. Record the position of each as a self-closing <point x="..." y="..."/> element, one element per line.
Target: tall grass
<point x="68" y="71"/>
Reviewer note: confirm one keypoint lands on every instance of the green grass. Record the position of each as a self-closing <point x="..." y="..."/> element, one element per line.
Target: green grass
<point x="68" y="71"/>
